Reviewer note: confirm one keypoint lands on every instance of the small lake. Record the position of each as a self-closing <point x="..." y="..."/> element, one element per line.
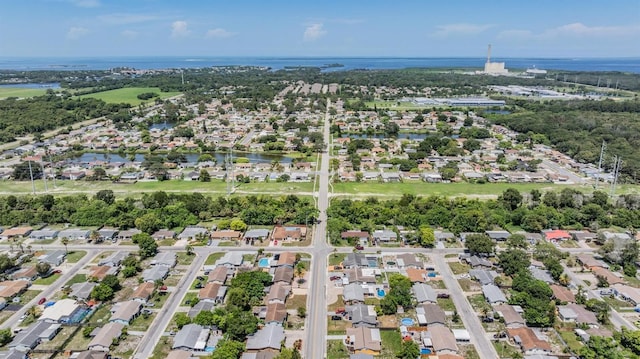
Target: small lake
<point x="191" y="157"/>
<point x="52" y="85"/>
<point x="402" y="136"/>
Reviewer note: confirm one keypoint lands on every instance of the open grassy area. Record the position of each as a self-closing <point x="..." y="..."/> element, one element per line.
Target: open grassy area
<point x="391" y="343"/>
<point x="184" y="259"/>
<point x="478" y="302"/>
<point x="571" y="339"/>
<point x="136" y="189"/>
<point x="129" y="95"/>
<point x="142" y="322"/>
<point x="446" y="189"/>
<point x="446" y="304"/>
<point x="336" y="350"/>
<point x="213" y="257"/>
<point x="296" y="301"/>
<point x="162" y="348"/>
<point x="75" y="256"/>
<point x="337" y="327"/>
<point x="459" y="268"/>
<point x="48" y="280"/>
<point x="338" y="304"/>
<point x="101" y="315"/>
<point x="78" y="278"/>
<point x="20" y="92"/>
<point x="336" y="258"/>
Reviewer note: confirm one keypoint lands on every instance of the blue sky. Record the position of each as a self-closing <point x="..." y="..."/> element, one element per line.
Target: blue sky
<point x="541" y="28"/>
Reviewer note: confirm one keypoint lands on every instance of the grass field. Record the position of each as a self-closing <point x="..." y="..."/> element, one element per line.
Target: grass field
<point x="129" y="95"/>
<point x="20" y="92"/>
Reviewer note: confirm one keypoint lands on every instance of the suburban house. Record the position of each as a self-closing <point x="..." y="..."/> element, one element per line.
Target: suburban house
<point x="627" y="293"/>
<point x="99" y="272"/>
<point x="125" y="312"/>
<point x="408" y="260"/>
<point x="74" y="234"/>
<point x="28" y="274"/>
<point x="155" y="273"/>
<point x="364" y="340"/>
<point x="588" y="262"/>
<point x="63" y="311"/>
<point x="493" y="294"/>
<point x="259" y="234"/>
<point x="430" y="314"/>
<point x="283" y="274"/>
<point x="191" y="337"/>
<point x="353" y="293"/>
<point x="609" y="276"/>
<point x="424" y="293"/>
<point x="498" y="235"/>
<point x="356" y="275"/>
<point x="286" y="259"/>
<point x="417" y="275"/>
<point x="163" y="234"/>
<point x="128" y="234"/>
<point x="361" y="237"/>
<point x="212" y="292"/>
<point x="576" y="313"/>
<point x="269" y="337"/>
<point x="556" y="235"/>
<point x="143" y="293"/>
<point x="528" y="341"/>
<point x="227" y="235"/>
<point x="16" y="232"/>
<point x="103" y="339"/>
<point x="54" y="258"/>
<point x="362" y="315"/>
<point x="276" y="313"/>
<point x="442" y="340"/>
<point x="355" y="260"/>
<point x="11" y="288"/>
<point x="384" y="236"/>
<point x="218" y="275"/>
<point x="167" y="259"/>
<point x="82" y="291"/>
<point x="563" y="294"/>
<point x="282" y="233"/>
<point x="114" y="260"/>
<point x="230" y="260"/>
<point x="200" y="307"/>
<point x="32" y="336"/>
<point x="192" y="232"/>
<point x="278" y="293"/>
<point x="45" y="234"/>
<point x="512" y="318"/>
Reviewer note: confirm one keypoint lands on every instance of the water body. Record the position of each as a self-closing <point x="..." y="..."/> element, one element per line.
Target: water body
<point x="402" y="136"/>
<point x="350" y="63"/>
<point x="162" y="126"/>
<point x="191" y="157"/>
<point x="52" y="85"/>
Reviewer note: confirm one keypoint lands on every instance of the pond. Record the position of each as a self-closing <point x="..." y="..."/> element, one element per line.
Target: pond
<point x="191" y="157"/>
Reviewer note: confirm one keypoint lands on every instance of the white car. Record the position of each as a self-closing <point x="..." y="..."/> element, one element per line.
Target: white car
<point x="23" y="317"/>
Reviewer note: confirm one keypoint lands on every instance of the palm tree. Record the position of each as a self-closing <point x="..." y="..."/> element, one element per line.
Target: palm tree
<point x="189" y="249"/>
<point x="564" y="279"/>
<point x="65" y="243"/>
<point x="30" y="248"/>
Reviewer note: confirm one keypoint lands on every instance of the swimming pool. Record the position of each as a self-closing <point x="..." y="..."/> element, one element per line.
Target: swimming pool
<point x="381" y="293"/>
<point x="425" y="351"/>
<point x="264" y="263"/>
<point x="407" y="321"/>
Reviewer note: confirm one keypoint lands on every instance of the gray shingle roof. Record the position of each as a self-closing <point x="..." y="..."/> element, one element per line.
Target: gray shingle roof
<point x="270" y="336"/>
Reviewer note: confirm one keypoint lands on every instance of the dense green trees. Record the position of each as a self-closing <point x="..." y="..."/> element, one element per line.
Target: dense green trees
<point x="535" y="297"/>
<point x="399" y="294"/>
<point x="148" y="245"/>
<point x="480" y="244"/>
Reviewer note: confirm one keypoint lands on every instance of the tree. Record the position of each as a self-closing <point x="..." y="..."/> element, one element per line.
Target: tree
<point x="302" y="312"/>
<point x="189" y="249"/>
<point x="182" y="319"/>
<point x="43" y="269"/>
<point x="204" y="176"/>
<point x="480" y="244"/>
<point x="238" y="225"/>
<point x="102" y="292"/>
<point x="65" y="243"/>
<point x="600" y="308"/>
<point x="228" y="349"/>
<point x="25" y="170"/>
<point x="517" y="241"/>
<point x="106" y="196"/>
<point x="146" y="243"/>
<point x="205" y="318"/>
<point x="286" y="353"/>
<point x="239" y="324"/>
<point x="513" y="261"/>
<point x="427" y="237"/>
<point x="86" y="331"/>
<point x="630" y="339"/>
<point x="112" y="281"/>
<point x="409" y="350"/>
<point x="601" y="348"/>
<point x="510" y="199"/>
<point x="5" y="336"/>
<point x="148" y="223"/>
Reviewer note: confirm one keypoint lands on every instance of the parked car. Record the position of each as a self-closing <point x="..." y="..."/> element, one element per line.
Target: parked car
<point x="42" y="300"/>
<point x="340" y="311"/>
<point x="487" y="320"/>
<point x="334" y="277"/>
<point x="57" y="271"/>
<point x="23" y="317"/>
<point x="443" y="295"/>
<point x="337" y="267"/>
<point x="336" y="317"/>
<point x="359" y="247"/>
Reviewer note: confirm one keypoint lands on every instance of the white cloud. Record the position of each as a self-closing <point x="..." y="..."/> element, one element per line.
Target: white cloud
<point x="75" y="33"/>
<point x="314" y="32"/>
<point x="123" y="18"/>
<point x="460" y="29"/>
<point x="86" y="3"/>
<point x="129" y="34"/>
<point x="179" y="29"/>
<point x="218" y="33"/>
<point x="574" y="30"/>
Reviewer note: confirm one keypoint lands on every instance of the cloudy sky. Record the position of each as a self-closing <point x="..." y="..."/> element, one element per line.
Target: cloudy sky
<point x="415" y="28"/>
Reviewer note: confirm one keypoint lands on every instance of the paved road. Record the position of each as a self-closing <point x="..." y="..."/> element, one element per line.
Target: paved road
<point x="316" y="299"/>
<point x="67" y="274"/>
<point x="617" y="320"/>
<point x="469" y="317"/>
<point x="563" y="171"/>
<point x="159" y="324"/>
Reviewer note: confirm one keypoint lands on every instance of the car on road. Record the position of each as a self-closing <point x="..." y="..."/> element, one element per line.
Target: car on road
<point x="335" y="277"/>
<point x="23" y="317"/>
<point x="42" y="300"/>
<point x="443" y="295"/>
<point x="57" y="271"/>
<point x="359" y="247"/>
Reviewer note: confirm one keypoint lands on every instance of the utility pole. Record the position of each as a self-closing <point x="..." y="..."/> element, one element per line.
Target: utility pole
<point x="44" y="176"/>
<point x="33" y="184"/>
<point x="616" y="171"/>
<point x="604" y="146"/>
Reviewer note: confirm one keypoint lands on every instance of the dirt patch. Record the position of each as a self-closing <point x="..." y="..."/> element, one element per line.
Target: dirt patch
<point x="389" y="321"/>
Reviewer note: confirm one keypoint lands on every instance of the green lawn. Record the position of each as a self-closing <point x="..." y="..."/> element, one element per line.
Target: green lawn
<point x="213" y="257"/>
<point x="458" y="268"/>
<point x="78" y="278"/>
<point x="20" y="92"/>
<point x="571" y="339"/>
<point x="336" y="350"/>
<point x="184" y="259"/>
<point x="391" y="343"/>
<point x="129" y="95"/>
<point x="28" y="296"/>
<point x="101" y="315"/>
<point x="48" y="280"/>
<point x="446" y="304"/>
<point x="75" y="256"/>
<point x="478" y="302"/>
<point x="163" y="347"/>
<point x="336" y="258"/>
<point x="452" y="189"/>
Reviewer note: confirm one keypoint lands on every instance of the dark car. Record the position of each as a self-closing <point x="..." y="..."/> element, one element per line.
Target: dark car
<point x="334" y="277"/>
<point x="199" y="285"/>
<point x="336" y="317"/>
<point x="443" y="295"/>
<point x="200" y="278"/>
<point x="57" y="271"/>
<point x="42" y="300"/>
<point x="359" y="247"/>
<point x="487" y="320"/>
